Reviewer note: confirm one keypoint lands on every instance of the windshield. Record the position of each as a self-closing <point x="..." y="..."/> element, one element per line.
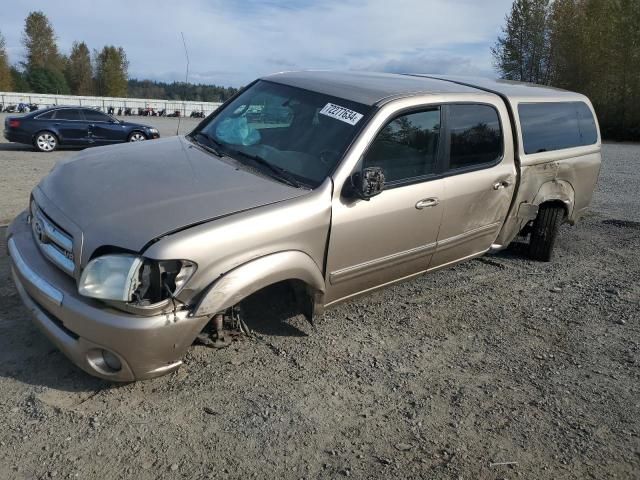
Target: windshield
<point x="277" y="128"/>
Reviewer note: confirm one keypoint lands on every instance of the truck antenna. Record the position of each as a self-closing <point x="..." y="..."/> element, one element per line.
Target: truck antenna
<point x="186" y="80"/>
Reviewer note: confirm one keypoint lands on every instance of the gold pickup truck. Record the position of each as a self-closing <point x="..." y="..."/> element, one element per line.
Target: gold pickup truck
<point x="335" y="183"/>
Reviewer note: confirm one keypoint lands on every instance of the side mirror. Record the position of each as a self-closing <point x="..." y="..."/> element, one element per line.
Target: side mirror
<point x="367" y="183"/>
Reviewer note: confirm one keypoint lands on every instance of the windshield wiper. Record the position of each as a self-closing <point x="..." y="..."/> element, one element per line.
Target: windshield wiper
<point x="278" y="172"/>
<point x="215" y="150"/>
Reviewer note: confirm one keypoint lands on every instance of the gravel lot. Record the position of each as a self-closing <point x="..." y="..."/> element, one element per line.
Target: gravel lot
<point x="497" y="368"/>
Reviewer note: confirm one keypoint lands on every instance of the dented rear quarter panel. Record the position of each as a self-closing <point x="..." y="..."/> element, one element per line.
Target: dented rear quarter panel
<point x="569" y="175"/>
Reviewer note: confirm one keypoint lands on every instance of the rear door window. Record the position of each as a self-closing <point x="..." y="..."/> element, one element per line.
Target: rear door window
<point x="68" y="114"/>
<point x="553" y="126"/>
<point x="476" y="136"/>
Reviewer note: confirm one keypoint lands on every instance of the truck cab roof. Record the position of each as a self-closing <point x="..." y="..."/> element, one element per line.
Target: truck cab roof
<point x="372" y="88"/>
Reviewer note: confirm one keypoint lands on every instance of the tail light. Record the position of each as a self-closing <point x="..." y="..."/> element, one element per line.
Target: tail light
<point x="14" y="123"/>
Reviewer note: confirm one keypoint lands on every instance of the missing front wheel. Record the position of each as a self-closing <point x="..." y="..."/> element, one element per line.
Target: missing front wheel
<point x="224" y="329"/>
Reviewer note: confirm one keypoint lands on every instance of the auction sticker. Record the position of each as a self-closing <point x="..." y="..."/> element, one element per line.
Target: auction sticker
<point x="341" y="113"/>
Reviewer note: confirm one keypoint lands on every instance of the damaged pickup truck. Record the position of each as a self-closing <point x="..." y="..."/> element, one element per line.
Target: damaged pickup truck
<point x="333" y="183"/>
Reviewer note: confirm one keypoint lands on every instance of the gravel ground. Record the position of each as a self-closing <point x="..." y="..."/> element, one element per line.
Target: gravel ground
<point x="497" y="368"/>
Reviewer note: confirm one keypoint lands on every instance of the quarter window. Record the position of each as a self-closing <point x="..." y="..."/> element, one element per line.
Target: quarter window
<point x="476" y="135"/>
<point x="587" y="124"/>
<point x="68" y="114"/>
<point x="47" y="115"/>
<point x="556" y="125"/>
<point x="407" y="147"/>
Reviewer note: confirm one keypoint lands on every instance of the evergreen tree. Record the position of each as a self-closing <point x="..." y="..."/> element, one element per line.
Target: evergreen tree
<point x="588" y="46"/>
<point x="40" y="42"/>
<point x="45" y="64"/>
<point x="523" y="51"/>
<point x="79" y="72"/>
<point x="112" y="71"/>
<point x="6" y="79"/>
<point x="44" y="80"/>
<point x="19" y="80"/>
<point x="179" y="91"/>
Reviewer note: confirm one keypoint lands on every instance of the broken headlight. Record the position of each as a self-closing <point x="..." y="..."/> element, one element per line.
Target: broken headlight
<point x="133" y="279"/>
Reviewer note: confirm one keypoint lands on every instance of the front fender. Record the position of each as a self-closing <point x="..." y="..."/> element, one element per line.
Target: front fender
<point x="557" y="190"/>
<point x="255" y="275"/>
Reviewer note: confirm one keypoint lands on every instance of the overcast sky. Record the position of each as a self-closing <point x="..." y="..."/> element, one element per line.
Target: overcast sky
<point x="231" y="42"/>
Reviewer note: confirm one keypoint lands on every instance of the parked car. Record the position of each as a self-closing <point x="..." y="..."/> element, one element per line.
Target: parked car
<point x="126" y="255"/>
<point x="50" y="128"/>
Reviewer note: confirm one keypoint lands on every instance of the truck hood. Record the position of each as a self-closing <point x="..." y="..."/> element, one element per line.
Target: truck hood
<point x="128" y="195"/>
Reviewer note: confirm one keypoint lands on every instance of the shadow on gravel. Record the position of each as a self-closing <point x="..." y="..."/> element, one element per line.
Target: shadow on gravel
<point x="26" y="356"/>
<point x="16" y="147"/>
<point x="517" y="251"/>
<point x="22" y="147"/>
<point x="622" y="223"/>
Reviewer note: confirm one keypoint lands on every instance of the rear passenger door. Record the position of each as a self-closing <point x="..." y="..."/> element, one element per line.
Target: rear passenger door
<point x="72" y="129"/>
<point x="479" y="180"/>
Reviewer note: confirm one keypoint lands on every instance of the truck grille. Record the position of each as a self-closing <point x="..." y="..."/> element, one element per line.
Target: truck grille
<point x="54" y="243"/>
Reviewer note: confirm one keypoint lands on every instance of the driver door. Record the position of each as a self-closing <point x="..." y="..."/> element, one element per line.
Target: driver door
<point x="393" y="235"/>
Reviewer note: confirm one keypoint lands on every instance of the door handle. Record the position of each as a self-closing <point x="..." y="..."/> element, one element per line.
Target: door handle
<point x="427" y="202"/>
<point x="501" y="185"/>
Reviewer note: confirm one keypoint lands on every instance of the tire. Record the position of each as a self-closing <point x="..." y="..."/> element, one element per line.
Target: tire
<point x="544" y="232"/>
<point x="45" y="141"/>
<point x="136" y="137"/>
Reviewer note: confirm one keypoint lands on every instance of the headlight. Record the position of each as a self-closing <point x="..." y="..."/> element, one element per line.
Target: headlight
<point x="134" y="279"/>
<point x="153" y="130"/>
<point x="111" y="277"/>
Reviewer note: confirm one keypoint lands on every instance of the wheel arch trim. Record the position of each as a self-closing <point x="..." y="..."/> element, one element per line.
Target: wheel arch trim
<point x="557" y="191"/>
<point x="239" y="283"/>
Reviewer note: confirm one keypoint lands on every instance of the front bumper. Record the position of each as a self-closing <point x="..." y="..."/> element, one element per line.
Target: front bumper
<point x="82" y="328"/>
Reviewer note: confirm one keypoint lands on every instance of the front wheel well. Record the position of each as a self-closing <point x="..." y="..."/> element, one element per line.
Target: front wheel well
<point x="275" y="308"/>
<point x="291" y="296"/>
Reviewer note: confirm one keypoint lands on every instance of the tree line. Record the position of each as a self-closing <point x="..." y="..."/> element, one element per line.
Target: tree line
<point x="102" y="72"/>
<point x="588" y="46"/>
<point x="179" y="91"/>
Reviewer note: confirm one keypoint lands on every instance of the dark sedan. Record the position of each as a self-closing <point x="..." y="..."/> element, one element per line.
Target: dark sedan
<point x="73" y="126"/>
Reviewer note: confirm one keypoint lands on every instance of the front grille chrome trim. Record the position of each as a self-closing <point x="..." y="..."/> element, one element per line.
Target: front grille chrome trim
<point x="56" y="236"/>
<point x="54" y="244"/>
<point x="57" y="257"/>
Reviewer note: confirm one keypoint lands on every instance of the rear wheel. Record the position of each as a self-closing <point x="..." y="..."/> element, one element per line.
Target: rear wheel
<point x="545" y="231"/>
<point x="137" y="137"/>
<point x="46" y="142"/>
